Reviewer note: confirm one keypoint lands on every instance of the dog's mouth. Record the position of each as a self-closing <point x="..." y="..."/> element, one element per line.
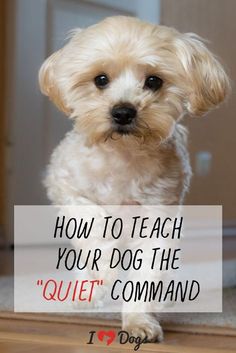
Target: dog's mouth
<point x="123" y="130"/>
<point x="119" y="131"/>
<point x="137" y="129"/>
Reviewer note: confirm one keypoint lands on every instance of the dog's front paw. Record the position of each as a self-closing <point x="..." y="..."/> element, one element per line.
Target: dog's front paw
<point x="143" y="326"/>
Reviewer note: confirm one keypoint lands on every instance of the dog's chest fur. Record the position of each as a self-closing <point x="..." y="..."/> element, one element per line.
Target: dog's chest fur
<point x="105" y="174"/>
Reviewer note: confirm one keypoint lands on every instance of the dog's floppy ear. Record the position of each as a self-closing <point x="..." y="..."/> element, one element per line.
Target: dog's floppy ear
<point x="48" y="83"/>
<point x="208" y="82"/>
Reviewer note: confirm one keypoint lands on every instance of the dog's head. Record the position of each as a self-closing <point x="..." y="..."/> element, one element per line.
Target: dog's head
<point x="126" y="78"/>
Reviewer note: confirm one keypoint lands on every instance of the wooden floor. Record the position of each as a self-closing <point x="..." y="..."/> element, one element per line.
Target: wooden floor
<point x="23" y="336"/>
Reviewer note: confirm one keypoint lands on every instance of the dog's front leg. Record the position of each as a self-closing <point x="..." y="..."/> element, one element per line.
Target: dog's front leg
<point x="139" y="317"/>
<point x="84" y="208"/>
<point x="143" y="325"/>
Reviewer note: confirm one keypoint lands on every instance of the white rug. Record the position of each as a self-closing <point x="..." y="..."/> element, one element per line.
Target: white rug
<point x="227" y="319"/>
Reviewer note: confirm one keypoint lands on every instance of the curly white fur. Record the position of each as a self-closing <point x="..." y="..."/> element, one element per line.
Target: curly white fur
<point x="95" y="164"/>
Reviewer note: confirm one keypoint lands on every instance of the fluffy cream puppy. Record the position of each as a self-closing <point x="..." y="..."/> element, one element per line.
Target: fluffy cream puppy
<point x="126" y="84"/>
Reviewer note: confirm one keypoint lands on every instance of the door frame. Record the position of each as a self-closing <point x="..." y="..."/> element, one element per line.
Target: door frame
<point x="2" y="120"/>
<point x="26" y="51"/>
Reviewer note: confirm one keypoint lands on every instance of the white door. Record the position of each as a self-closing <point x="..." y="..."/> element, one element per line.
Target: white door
<point x="35" y="126"/>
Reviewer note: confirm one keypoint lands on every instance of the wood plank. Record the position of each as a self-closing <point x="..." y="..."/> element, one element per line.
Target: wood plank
<point x="86" y="321"/>
<point x="71" y="335"/>
<point x="22" y="347"/>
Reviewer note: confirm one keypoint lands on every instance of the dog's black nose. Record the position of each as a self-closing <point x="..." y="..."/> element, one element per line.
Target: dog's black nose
<point x="123" y="114"/>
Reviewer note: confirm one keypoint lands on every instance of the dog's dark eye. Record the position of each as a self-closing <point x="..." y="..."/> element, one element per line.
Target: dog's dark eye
<point x="153" y="82"/>
<point x="101" y="81"/>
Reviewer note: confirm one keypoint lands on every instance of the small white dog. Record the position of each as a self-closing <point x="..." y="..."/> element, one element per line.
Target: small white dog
<point x="126" y="84"/>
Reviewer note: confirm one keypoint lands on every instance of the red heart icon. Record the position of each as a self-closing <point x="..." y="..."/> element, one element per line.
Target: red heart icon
<point x="110" y="334"/>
